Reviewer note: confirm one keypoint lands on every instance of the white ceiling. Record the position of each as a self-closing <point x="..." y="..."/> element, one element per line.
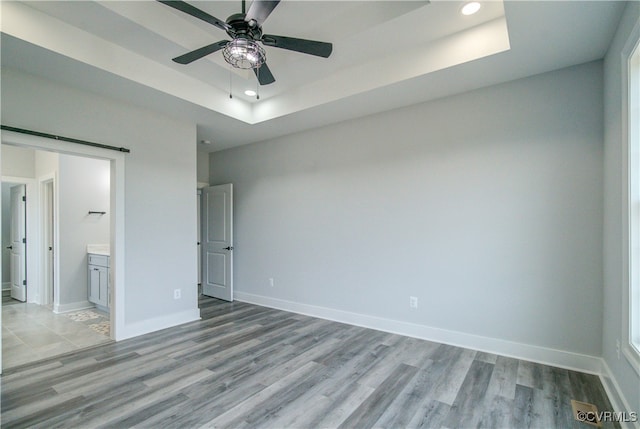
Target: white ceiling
<point x="387" y="54"/>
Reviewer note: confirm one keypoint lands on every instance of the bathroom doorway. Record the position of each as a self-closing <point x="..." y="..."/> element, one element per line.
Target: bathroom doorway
<point x="59" y="320"/>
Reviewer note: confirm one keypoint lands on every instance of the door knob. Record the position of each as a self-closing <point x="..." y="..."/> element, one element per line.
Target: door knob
<point x="9" y="247"/>
<point x="228" y="248"/>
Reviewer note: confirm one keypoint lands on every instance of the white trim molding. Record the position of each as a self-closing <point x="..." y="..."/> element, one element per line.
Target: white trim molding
<point x="151" y="325"/>
<point x="72" y="306"/>
<point x="630" y="57"/>
<point x="629" y="352"/>
<point x="547" y="356"/>
<point x="617" y="399"/>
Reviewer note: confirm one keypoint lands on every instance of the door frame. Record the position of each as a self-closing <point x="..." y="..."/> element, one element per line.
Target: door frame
<point x="48" y="286"/>
<point x="117" y="207"/>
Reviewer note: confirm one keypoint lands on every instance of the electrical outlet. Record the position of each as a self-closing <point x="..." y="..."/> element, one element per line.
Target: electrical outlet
<point x="271" y="281"/>
<point x="413" y="302"/>
<point x="177" y="294"/>
<point x="618" y="348"/>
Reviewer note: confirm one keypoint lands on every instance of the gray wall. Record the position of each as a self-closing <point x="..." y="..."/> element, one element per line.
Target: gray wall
<point x="18" y="161"/>
<point x="203" y="167"/>
<point x="487" y="206"/>
<point x="615" y="208"/>
<point x="83" y="186"/>
<point x="47" y="163"/>
<point x="160" y="178"/>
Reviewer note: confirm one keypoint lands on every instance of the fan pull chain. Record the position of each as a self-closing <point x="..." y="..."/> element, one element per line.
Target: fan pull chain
<point x="230" y="82"/>
<point x="258" y="84"/>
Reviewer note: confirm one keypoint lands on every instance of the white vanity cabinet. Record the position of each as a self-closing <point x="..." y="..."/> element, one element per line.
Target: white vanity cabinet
<point x="99" y="279"/>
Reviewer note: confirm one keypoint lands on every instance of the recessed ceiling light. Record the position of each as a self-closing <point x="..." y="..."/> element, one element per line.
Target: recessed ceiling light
<point x="470" y="8"/>
<point x="250" y="93"/>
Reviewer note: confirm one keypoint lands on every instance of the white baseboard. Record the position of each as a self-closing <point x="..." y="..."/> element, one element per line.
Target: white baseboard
<point x="147" y="326"/>
<point x="547" y="356"/>
<point x="6" y="286"/>
<point x="617" y="399"/>
<point x="74" y="306"/>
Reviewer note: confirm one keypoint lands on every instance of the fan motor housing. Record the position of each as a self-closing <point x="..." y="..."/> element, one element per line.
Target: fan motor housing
<point x="240" y="27"/>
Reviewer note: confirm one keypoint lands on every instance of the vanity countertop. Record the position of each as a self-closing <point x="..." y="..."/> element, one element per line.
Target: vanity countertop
<point x="98" y="249"/>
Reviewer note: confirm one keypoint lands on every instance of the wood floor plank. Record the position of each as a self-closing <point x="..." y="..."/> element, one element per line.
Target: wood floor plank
<point x="381" y="370"/>
<point x="93" y="409"/>
<point x="368" y="413"/>
<point x="504" y="377"/>
<point x="530" y="374"/>
<point x="408" y="402"/>
<point x="486" y="357"/>
<point x="558" y="391"/>
<point x="144" y="413"/>
<point x="256" y="367"/>
<point x="465" y="411"/>
<point x="92" y="416"/>
<point x="339" y="369"/>
<point x="236" y="415"/>
<point x="458" y="363"/>
<point x="300" y="357"/>
<point x="497" y="412"/>
<point x="314" y="406"/>
<point x="34" y="419"/>
<point x="34" y="406"/>
<point x="219" y="395"/>
<point x="522" y="415"/>
<point x="430" y="415"/>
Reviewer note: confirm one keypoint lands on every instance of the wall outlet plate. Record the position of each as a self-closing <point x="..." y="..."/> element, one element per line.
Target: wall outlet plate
<point x="413" y="302"/>
<point x="177" y="294"/>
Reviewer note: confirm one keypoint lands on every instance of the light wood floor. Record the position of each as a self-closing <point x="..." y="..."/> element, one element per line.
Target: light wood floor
<point x="249" y="366"/>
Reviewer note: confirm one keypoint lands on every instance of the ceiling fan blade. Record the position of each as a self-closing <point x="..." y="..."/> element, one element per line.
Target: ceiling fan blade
<point x="190" y="57"/>
<point x="197" y="13"/>
<point x="311" y="47"/>
<point x="264" y="75"/>
<point x="260" y="10"/>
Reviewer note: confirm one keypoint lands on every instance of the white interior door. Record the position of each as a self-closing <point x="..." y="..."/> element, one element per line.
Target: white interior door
<point x="217" y="241"/>
<point x="18" y="243"/>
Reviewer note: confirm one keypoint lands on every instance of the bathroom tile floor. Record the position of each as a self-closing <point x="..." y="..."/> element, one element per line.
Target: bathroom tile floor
<point x="31" y="332"/>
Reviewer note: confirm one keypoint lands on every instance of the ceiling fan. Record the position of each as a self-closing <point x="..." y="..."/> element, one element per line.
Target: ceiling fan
<point x="245" y="30"/>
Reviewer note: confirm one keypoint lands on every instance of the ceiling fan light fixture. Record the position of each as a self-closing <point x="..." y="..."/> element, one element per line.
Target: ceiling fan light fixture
<point x="244" y="53"/>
